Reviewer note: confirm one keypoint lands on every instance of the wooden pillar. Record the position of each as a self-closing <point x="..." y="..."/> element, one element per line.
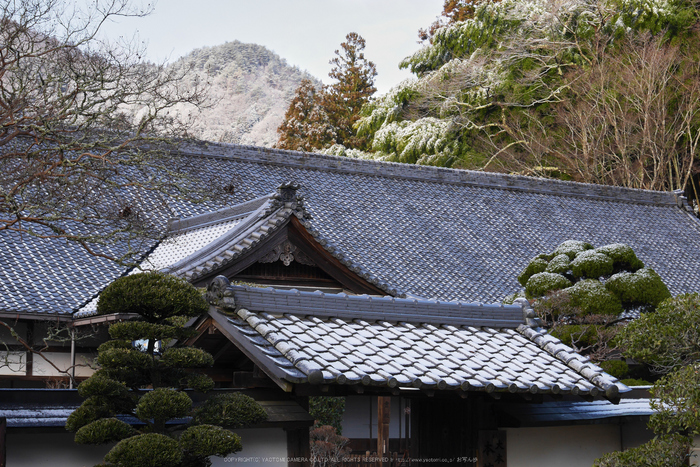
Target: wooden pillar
<point x="298" y="447"/>
<point x="383" y="418"/>
<point x="3" y="442"/>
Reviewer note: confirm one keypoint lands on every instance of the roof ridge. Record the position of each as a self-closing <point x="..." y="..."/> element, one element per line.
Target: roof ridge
<point x="427" y="173"/>
<point x="180" y="225"/>
<point x="376" y="308"/>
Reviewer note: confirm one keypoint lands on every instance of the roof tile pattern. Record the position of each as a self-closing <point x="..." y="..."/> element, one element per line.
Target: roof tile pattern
<point x="356" y="348"/>
<point x="460" y="235"/>
<point x="426" y="231"/>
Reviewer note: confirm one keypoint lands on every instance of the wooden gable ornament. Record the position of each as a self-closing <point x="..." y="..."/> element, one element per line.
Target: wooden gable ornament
<point x="273" y="243"/>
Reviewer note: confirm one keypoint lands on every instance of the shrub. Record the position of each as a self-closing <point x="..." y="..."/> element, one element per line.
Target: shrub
<point x="623" y="256"/>
<point x="662" y="451"/>
<point x="668" y="338"/>
<point x="560" y="264"/>
<point x="163" y="404"/>
<point x="617" y="368"/>
<point x="149" y="450"/>
<point x="209" y="440"/>
<point x="229" y="410"/>
<point x="576" y="335"/>
<point x="152" y="295"/>
<point x="571" y="248"/>
<point x="328" y="411"/>
<point x="541" y="283"/>
<point x="591" y="264"/>
<point x="89" y="411"/>
<point x="533" y="267"/>
<point x="187" y="357"/>
<point x="105" y="430"/>
<point x="593" y="298"/>
<point x="644" y="287"/>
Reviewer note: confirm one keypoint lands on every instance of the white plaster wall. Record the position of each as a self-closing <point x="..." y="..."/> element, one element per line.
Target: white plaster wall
<point x="356" y="418"/>
<point x="54" y="449"/>
<point x="57" y="449"/>
<point x="12" y="363"/>
<point x="695" y="452"/>
<point x="262" y="447"/>
<point x="83" y="363"/>
<point x="570" y="446"/>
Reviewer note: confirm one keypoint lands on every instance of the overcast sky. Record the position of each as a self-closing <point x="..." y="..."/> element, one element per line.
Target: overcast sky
<point x="304" y="32"/>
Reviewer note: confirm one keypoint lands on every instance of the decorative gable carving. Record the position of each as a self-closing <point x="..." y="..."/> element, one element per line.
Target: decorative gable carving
<point x="286" y="252"/>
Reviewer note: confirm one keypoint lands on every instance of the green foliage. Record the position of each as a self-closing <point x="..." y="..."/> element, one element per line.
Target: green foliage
<point x="591" y="264"/>
<point x="560" y="264"/>
<point x="617" y="368"/>
<point x="123" y="358"/>
<point x="152" y="295"/>
<point x="234" y="410"/>
<point x="100" y="385"/>
<point x="89" y="411"/>
<point x="542" y="282"/>
<point x="198" y="382"/>
<point x="319" y="119"/>
<point x="572" y="248"/>
<point x="328" y="411"/>
<point x="623" y="256"/>
<point x="676" y="402"/>
<point x="536" y="265"/>
<point x="641" y="288"/>
<point x="164" y="303"/>
<point x="138" y="330"/>
<point x="209" y="440"/>
<point x="496" y="91"/>
<point x="635" y="382"/>
<point x="667" y="339"/>
<point x="631" y="287"/>
<point x="662" y="451"/>
<point x="592" y="298"/>
<point x="115" y="344"/>
<point x="577" y="335"/>
<point x="187" y="357"/>
<point x="104" y="430"/>
<point x="147" y="450"/>
<point x="163" y="404"/>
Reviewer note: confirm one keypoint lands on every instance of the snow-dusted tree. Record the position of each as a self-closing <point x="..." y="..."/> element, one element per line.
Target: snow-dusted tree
<point x="318" y="119"/>
<point x="453" y="11"/>
<point x="354" y="87"/>
<point x="306" y="125"/>
<point x="581" y="291"/>
<point x="500" y="90"/>
<point x="144" y="354"/>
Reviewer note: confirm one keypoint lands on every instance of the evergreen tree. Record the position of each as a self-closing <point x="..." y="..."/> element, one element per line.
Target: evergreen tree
<point x="306" y="125"/>
<point x="354" y="88"/>
<point x="453" y="11"/>
<point x="319" y="119"/>
<point x="144" y="354"/>
<point x="667" y="340"/>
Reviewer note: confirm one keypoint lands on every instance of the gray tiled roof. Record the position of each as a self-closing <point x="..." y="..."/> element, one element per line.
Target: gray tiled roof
<point x="426" y="231"/>
<point x="553" y="412"/>
<point x="339" y="339"/>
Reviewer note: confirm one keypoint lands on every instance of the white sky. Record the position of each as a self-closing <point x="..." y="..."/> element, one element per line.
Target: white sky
<point x="304" y="32"/>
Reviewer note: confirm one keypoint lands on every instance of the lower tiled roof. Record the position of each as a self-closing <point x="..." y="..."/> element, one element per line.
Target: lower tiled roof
<point x="310" y="344"/>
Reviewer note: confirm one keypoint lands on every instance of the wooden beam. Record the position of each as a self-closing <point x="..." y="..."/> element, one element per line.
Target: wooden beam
<point x="304" y="241"/>
<point x="383" y="419"/>
<point x="201" y="328"/>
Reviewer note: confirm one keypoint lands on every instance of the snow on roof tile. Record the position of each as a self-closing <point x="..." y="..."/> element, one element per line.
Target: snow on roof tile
<point x="424" y="231"/>
<point x="326" y="346"/>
